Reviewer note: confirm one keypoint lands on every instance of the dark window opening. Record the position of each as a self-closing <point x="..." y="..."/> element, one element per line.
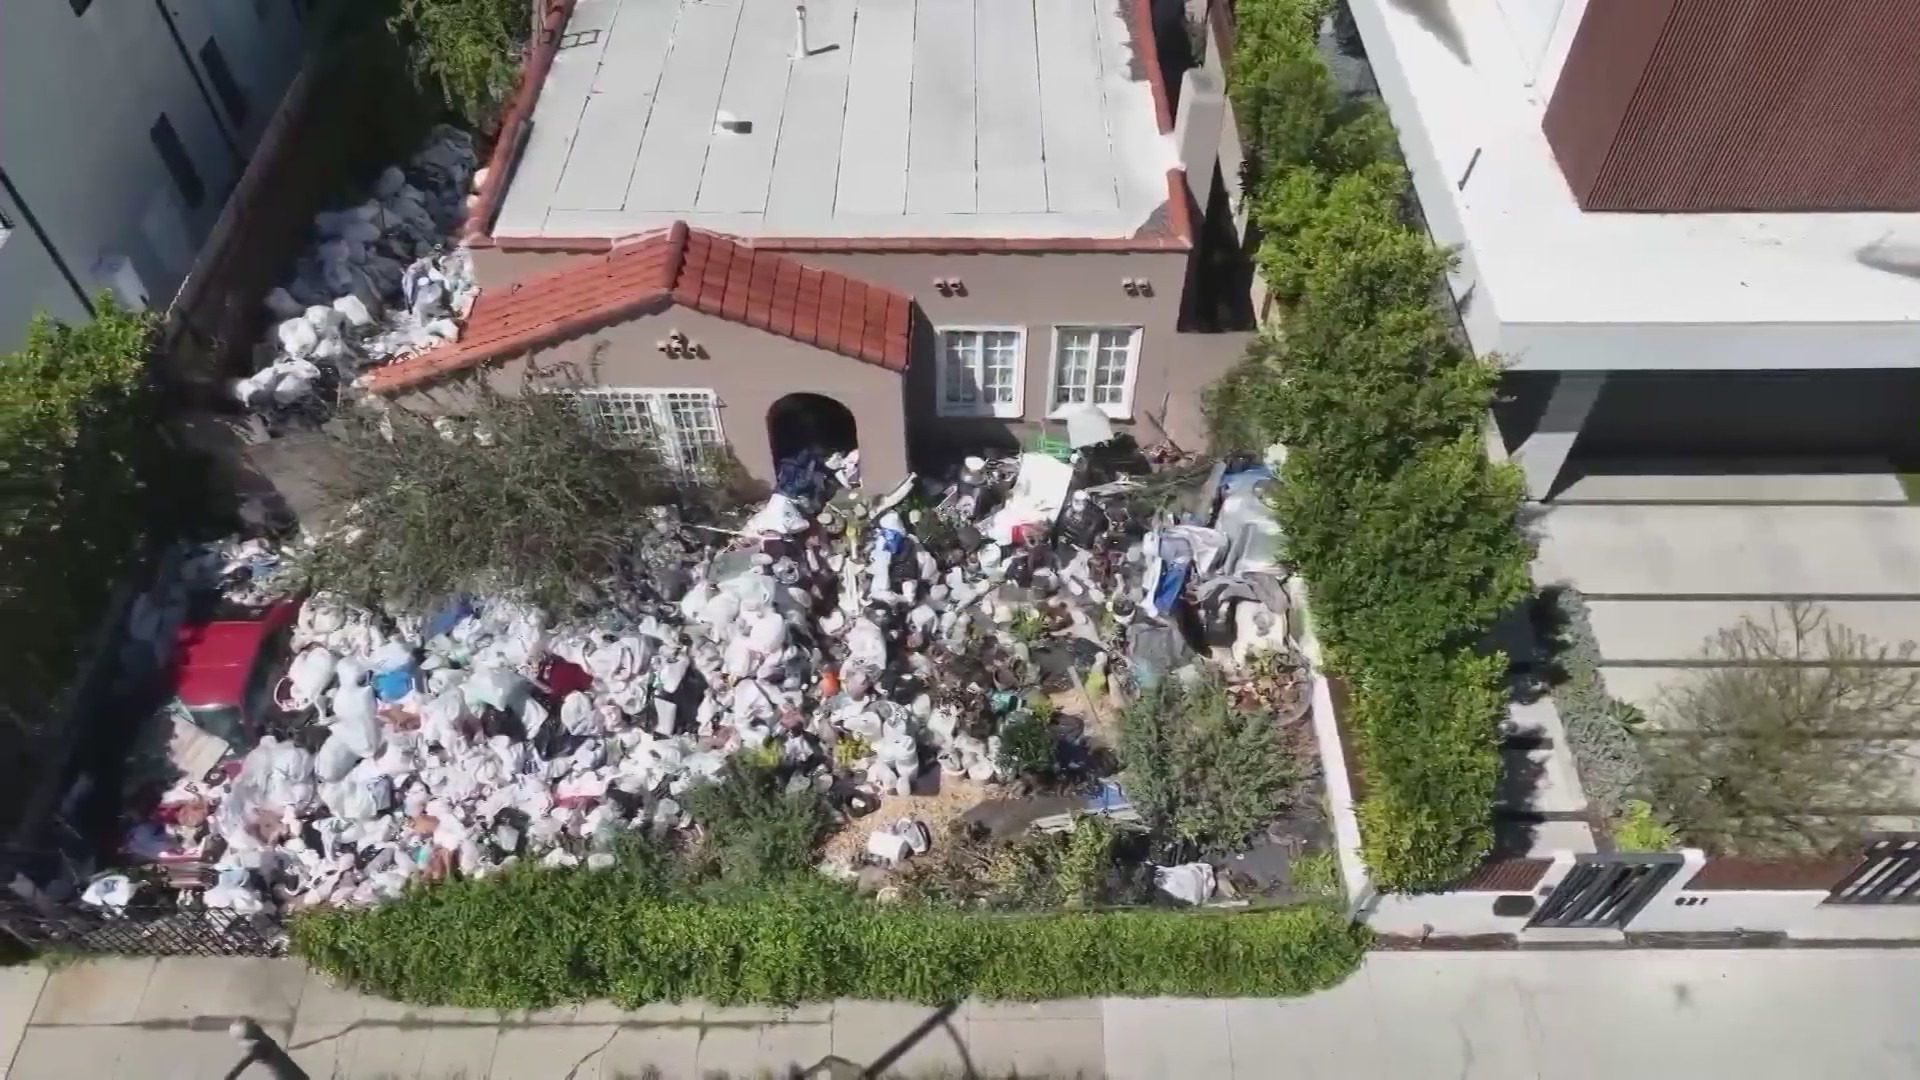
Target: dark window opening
<point x="179" y="164"/>
<point x="232" y="98"/>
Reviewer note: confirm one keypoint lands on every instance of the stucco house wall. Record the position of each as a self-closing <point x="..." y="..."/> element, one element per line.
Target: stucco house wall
<point x="1030" y="292"/>
<point x="747" y="369"/>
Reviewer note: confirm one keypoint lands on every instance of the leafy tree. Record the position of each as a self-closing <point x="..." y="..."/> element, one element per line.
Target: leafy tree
<point x="520" y="493"/>
<point x="1205" y="775"/>
<point x="468" y="49"/>
<point x="1794" y="729"/>
<point x="80" y="453"/>
<point x="1285" y="107"/>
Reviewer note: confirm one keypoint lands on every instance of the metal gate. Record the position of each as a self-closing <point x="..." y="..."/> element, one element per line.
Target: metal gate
<point x="1604" y="892"/>
<point x="140" y="929"/>
<point x="1889" y="873"/>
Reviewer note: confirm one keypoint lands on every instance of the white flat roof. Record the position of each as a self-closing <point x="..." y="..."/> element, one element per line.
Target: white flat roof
<point x="1539" y="259"/>
<point x="935" y="118"/>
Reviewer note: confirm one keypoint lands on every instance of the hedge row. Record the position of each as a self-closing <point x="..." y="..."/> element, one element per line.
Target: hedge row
<point x="1403" y="528"/>
<point x="532" y="938"/>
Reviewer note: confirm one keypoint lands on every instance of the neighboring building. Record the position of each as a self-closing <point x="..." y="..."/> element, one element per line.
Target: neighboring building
<point x="954" y="219"/>
<point x="1691" y="227"/>
<point x="124" y="124"/>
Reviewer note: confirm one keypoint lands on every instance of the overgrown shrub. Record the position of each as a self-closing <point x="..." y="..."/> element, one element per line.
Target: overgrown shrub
<point x="527" y="495"/>
<point x="1638" y="829"/>
<point x="467" y="50"/>
<point x="1205" y="775"/>
<point x="1600" y="728"/>
<point x="754" y="828"/>
<point x="1406" y="533"/>
<point x="1794" y="732"/>
<point x="1027" y="746"/>
<point x="1316" y="873"/>
<point x="530" y="938"/>
<point x="1033" y="871"/>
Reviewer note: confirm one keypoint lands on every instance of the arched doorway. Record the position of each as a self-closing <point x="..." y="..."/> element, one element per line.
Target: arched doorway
<point x="804" y="421"/>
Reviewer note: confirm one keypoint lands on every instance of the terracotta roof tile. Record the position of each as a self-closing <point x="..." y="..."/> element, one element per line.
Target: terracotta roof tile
<point x="710" y="273"/>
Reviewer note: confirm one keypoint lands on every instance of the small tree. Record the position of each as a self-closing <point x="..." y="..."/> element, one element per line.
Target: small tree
<point x="468" y="49"/>
<point x="520" y="493"/>
<point x="1798" y="728"/>
<point x="1205" y="775"/>
<point x="80" y="450"/>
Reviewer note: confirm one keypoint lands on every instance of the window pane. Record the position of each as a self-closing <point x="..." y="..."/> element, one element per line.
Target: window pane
<point x="1002" y="362"/>
<point x="224" y="84"/>
<point x="173" y="153"/>
<point x="696" y="426"/>
<point x="1110" y="367"/>
<point x="1074" y="368"/>
<point x="963" y="367"/>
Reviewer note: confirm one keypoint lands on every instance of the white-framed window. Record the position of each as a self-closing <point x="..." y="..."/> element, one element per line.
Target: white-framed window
<point x="1094" y="365"/>
<point x="684" y="425"/>
<point x="981" y="370"/>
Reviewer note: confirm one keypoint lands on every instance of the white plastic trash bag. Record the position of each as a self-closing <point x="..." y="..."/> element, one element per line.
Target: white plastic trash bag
<point x="1189" y="883"/>
<point x="577" y="715"/>
<point x="355" y="719"/>
<point x="310" y="675"/>
<point x="335" y="759"/>
<point x="113" y="891"/>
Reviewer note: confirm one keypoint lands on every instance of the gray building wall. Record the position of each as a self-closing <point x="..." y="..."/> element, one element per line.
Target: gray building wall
<point x="79" y="97"/>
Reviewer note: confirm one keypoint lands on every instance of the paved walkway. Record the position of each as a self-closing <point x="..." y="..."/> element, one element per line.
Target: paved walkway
<point x="1480" y="1016"/>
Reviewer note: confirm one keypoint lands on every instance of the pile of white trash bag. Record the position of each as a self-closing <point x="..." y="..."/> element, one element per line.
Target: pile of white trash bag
<point x="382" y="281"/>
<point x="859" y="643"/>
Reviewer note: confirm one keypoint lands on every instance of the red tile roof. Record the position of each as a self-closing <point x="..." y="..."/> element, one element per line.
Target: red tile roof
<point x="693" y="268"/>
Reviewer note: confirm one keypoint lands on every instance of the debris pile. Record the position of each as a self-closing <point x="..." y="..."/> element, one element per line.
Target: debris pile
<point x="868" y="646"/>
<point x="380" y="283"/>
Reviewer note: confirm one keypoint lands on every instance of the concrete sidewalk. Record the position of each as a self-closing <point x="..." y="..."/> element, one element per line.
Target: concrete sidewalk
<point x="1496" y="1016"/>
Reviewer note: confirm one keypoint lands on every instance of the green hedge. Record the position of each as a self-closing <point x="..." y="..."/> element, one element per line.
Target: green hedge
<point x="532" y="938"/>
<point x="1395" y="517"/>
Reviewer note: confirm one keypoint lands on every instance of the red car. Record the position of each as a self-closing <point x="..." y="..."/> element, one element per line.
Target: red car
<point x="223" y="673"/>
